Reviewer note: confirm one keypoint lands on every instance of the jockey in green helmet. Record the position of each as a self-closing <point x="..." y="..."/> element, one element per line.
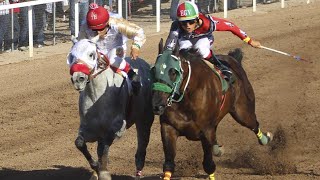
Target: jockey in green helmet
<point x="192" y="29"/>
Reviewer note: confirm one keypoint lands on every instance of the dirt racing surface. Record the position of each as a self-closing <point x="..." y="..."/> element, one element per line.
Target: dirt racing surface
<point x="39" y="108"/>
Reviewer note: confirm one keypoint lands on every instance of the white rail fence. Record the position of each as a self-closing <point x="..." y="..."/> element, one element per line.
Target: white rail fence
<point x="122" y="5"/>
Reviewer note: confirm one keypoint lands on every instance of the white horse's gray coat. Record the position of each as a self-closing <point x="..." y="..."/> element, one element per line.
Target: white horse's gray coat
<point x="104" y="104"/>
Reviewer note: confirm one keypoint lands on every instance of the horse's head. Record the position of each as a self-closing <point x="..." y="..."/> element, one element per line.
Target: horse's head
<point x="167" y="76"/>
<point x="83" y="61"/>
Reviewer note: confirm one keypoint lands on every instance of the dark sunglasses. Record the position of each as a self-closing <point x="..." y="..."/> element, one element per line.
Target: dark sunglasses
<point x="191" y="22"/>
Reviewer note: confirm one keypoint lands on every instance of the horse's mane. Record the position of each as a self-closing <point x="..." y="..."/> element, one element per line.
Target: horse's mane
<point x="190" y="54"/>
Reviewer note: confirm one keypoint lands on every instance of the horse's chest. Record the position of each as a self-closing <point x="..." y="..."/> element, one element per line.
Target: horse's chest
<point x="185" y="123"/>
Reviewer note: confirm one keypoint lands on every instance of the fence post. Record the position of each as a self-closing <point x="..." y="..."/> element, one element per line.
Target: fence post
<point x="76" y="18"/>
<point x="30" y="10"/>
<point x="12" y="30"/>
<point x="54" y="22"/>
<point x="225" y="8"/>
<point x="120" y="7"/>
<point x="158" y="14"/>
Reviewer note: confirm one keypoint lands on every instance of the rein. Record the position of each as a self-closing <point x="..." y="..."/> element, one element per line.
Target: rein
<point x="102" y="65"/>
<point x="171" y="98"/>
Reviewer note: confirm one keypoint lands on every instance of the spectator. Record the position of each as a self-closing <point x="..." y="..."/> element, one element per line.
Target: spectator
<point x="16" y="30"/>
<point x="203" y="6"/>
<point x="231" y="4"/>
<point x="40" y="21"/>
<point x="173" y="9"/>
<point x="49" y="18"/>
<point x="4" y="22"/>
<point x="24" y="27"/>
<point x="83" y="9"/>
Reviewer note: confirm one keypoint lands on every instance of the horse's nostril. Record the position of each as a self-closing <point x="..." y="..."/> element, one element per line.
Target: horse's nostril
<point x="161" y="108"/>
<point x="81" y="79"/>
<point x="158" y="109"/>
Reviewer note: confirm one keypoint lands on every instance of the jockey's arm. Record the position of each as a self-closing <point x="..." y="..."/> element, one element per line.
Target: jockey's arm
<point x="224" y="25"/>
<point x="133" y="32"/>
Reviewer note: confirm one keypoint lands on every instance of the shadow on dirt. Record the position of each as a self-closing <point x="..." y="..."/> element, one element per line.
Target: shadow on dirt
<point x="58" y="173"/>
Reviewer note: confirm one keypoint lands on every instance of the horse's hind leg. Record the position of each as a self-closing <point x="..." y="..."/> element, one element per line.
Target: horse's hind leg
<point x="143" y="128"/>
<point x="103" y="151"/>
<point x="244" y="114"/>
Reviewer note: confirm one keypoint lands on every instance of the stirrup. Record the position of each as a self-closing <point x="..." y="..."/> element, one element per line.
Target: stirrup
<point x="227" y="74"/>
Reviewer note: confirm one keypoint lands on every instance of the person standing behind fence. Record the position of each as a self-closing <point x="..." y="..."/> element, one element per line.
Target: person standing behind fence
<point x="24" y="27"/>
<point x="16" y="30"/>
<point x="83" y="9"/>
<point x="40" y="18"/>
<point x="4" y="22"/>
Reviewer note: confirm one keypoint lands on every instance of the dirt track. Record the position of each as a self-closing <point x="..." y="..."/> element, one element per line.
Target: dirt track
<point x="39" y="117"/>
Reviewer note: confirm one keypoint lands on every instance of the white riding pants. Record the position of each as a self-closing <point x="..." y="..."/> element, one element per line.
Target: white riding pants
<point x="203" y="45"/>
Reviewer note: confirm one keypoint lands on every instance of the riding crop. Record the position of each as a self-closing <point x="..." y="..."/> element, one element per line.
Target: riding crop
<point x="298" y="58"/>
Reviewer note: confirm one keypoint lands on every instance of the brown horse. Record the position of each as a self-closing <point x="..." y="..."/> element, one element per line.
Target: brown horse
<point x="192" y="99"/>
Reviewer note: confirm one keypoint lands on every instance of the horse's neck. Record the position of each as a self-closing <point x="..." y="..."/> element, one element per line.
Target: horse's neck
<point x="195" y="69"/>
<point x="101" y="83"/>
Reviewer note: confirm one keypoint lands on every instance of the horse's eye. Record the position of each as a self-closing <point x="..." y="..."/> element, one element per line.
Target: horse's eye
<point x="173" y="74"/>
<point x="92" y="56"/>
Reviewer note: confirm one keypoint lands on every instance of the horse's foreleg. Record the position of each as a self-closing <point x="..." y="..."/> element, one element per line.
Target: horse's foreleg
<point x="169" y="139"/>
<point x="81" y="145"/>
<point x="208" y="142"/>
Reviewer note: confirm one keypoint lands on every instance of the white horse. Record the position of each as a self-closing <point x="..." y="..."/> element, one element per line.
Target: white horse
<point x="106" y="106"/>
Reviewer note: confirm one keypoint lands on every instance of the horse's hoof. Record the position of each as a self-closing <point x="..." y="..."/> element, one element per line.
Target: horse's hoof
<point x="218" y="150"/>
<point x="104" y="175"/>
<point x="270" y="136"/>
<point x="138" y="175"/>
<point x="265" y="138"/>
<point x="94" y="176"/>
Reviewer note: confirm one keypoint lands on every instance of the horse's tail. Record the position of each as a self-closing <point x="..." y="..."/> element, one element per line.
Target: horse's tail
<point x="237" y="54"/>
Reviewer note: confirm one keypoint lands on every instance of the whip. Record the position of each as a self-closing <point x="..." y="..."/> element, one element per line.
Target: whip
<point x="298" y="58"/>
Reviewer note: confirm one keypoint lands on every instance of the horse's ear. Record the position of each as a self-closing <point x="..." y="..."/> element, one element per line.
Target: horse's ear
<point x="176" y="50"/>
<point x="74" y="39"/>
<point x="160" y="46"/>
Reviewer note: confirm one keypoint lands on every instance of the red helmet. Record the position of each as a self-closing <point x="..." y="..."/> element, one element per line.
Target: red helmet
<point x="97" y="17"/>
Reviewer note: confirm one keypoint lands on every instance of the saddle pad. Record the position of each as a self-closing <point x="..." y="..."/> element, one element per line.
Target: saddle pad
<point x="224" y="83"/>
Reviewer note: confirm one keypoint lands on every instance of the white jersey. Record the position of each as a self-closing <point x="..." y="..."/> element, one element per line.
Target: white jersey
<point x="120" y="30"/>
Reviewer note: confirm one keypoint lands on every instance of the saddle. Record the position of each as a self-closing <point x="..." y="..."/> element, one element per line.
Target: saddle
<point x="224" y="83"/>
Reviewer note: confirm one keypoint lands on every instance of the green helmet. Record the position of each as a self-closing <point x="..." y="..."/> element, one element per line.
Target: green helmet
<point x="187" y="11"/>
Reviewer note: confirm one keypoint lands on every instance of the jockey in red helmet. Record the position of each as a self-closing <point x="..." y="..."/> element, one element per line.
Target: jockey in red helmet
<point x="194" y="30"/>
<point x="97" y="17"/>
<point x="112" y="33"/>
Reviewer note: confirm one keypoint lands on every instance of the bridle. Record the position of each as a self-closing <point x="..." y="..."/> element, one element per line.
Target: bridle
<point x="101" y="65"/>
<point x="172" y="88"/>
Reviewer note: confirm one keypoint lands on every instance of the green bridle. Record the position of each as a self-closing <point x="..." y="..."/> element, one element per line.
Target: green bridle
<point x="165" y="62"/>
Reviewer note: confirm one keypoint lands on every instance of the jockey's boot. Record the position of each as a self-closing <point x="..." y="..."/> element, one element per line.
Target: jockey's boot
<point x="227" y="73"/>
<point x="135" y="81"/>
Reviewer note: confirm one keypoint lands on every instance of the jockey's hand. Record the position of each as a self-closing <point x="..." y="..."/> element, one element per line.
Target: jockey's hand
<point x="255" y="44"/>
<point x="134" y="53"/>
